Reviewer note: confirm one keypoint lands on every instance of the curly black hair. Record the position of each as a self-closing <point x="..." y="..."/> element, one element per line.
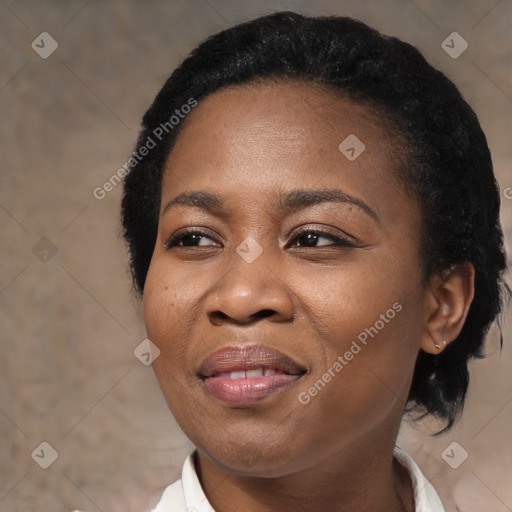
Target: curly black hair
<point x="449" y="168"/>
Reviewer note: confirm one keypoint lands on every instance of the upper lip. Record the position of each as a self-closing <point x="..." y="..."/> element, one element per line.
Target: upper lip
<point x="249" y="357"/>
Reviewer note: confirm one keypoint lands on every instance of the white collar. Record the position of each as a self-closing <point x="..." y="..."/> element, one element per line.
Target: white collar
<point x="425" y="496"/>
<point x="186" y="494"/>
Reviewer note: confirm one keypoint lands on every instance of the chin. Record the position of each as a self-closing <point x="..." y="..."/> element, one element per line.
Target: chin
<point x="253" y="460"/>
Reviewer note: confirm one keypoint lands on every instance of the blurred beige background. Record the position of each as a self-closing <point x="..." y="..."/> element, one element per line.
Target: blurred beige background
<point x="68" y="322"/>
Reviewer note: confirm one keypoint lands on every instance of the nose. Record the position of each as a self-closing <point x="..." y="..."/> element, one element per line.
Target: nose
<point x="249" y="292"/>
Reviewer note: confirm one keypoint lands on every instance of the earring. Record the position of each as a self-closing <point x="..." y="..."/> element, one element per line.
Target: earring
<point x="438" y="346"/>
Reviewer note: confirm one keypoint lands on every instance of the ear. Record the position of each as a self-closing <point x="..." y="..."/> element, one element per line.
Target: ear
<point x="449" y="297"/>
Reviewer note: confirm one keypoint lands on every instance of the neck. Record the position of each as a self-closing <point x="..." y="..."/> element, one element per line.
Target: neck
<point x="362" y="477"/>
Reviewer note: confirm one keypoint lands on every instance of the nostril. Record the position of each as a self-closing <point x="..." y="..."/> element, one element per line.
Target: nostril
<point x="264" y="313"/>
<point x="218" y="317"/>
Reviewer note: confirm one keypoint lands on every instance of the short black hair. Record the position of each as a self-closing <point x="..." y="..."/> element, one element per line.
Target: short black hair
<point x="449" y="167"/>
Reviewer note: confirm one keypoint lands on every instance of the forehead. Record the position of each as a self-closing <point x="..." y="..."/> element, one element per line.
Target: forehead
<point x="303" y="115"/>
<point x="261" y="138"/>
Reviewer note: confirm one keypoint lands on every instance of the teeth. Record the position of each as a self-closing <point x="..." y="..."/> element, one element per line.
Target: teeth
<point x="249" y="374"/>
<point x="258" y="372"/>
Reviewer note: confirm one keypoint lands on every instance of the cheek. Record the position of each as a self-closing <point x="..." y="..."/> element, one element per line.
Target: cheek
<point x="157" y="305"/>
<point x="165" y="305"/>
<point x="370" y="327"/>
<point x="167" y="301"/>
<point x="344" y="303"/>
<point x="353" y="397"/>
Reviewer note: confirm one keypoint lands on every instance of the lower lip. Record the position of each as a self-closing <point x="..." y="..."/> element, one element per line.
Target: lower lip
<point x="247" y="391"/>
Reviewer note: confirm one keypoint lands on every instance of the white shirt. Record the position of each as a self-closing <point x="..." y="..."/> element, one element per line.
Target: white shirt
<point x="186" y="494"/>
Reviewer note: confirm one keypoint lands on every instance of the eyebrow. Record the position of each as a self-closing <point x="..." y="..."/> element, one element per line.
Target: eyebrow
<point x="291" y="201"/>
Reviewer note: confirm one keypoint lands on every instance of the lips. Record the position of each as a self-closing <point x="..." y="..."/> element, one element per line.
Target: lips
<point x="242" y="376"/>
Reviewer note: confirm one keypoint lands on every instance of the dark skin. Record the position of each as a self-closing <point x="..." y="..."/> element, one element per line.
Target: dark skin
<point x="305" y="295"/>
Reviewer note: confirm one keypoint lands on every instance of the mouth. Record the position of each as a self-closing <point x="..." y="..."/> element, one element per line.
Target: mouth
<point x="242" y="376"/>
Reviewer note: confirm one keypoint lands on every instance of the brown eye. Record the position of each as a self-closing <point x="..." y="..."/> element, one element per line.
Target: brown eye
<point x="188" y="238"/>
<point x="310" y="238"/>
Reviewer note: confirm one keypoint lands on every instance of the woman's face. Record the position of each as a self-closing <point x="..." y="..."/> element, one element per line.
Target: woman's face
<point x="281" y="346"/>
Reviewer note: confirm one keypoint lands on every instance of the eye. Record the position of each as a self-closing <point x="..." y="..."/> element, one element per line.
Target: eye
<point x="305" y="238"/>
<point x="189" y="238"/>
<point x="311" y="237"/>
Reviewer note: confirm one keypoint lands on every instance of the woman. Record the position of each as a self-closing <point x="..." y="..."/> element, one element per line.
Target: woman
<point x="313" y="225"/>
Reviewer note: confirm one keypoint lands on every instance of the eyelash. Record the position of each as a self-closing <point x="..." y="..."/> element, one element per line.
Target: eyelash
<point x="337" y="241"/>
